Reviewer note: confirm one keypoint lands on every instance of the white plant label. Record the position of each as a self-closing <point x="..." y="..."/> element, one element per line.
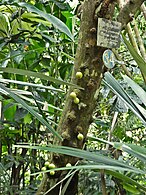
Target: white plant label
<point x="108" y="33"/>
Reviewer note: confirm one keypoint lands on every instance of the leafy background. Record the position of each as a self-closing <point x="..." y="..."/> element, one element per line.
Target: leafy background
<point x="38" y="41"/>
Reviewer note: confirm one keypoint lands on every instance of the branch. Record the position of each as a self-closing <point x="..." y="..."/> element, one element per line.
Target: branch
<point x="128" y="10"/>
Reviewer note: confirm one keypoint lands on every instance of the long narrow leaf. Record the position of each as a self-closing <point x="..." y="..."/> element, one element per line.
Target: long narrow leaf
<point x="86" y="155"/>
<point x="140" y="61"/>
<point x="37" y="75"/>
<point x="30" y="110"/>
<point x="134" y="150"/>
<point x="55" y="21"/>
<point x="111" y="82"/>
<point x="30" y="84"/>
<point x="136" y="88"/>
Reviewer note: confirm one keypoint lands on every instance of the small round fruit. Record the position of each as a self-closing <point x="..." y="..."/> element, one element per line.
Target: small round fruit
<point x="76" y="100"/>
<point x="68" y="165"/>
<point x="80" y="136"/>
<point x="51" y="166"/>
<point x="47" y="164"/>
<point x="52" y="172"/>
<point x="73" y="95"/>
<point x="26" y="174"/>
<point x="43" y="168"/>
<point x="79" y="75"/>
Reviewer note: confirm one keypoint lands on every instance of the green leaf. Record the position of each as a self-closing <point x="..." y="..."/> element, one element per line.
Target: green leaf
<point x="136" y="88"/>
<point x="125" y="179"/>
<point x="100" y="159"/>
<point x="35" y="18"/>
<point x="131" y="188"/>
<point x="4" y="25"/>
<point x="132" y="149"/>
<point x="113" y="84"/>
<point x="37" y="75"/>
<point x="55" y="21"/>
<point x="30" y="84"/>
<point x="140" y="61"/>
<point x="29" y="109"/>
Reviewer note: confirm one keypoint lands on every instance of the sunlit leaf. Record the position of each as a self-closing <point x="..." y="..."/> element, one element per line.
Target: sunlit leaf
<point x="37" y="75"/>
<point x="55" y="21"/>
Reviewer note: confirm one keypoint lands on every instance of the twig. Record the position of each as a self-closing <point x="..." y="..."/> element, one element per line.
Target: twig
<point x="139" y="40"/>
<point x="103" y="184"/>
<point x="128" y="9"/>
<point x="143" y="9"/>
<point x="122" y="65"/>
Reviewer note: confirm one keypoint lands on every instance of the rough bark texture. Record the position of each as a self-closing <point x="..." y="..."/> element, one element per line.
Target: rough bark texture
<point x="76" y="118"/>
<point x="128" y="11"/>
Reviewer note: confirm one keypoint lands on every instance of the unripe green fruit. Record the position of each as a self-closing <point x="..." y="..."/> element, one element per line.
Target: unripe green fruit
<point x="80" y="136"/>
<point x="76" y="100"/>
<point x="43" y="168"/>
<point x="68" y="165"/>
<point x="26" y="174"/>
<point x="47" y="164"/>
<point x="73" y="95"/>
<point x="79" y="75"/>
<point x="51" y="166"/>
<point x="52" y="172"/>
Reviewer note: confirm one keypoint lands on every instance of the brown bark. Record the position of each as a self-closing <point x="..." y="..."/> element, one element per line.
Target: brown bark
<point x="76" y="118"/>
<point x="128" y="10"/>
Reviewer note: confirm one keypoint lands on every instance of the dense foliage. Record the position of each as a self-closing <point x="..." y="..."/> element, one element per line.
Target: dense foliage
<point x="38" y="40"/>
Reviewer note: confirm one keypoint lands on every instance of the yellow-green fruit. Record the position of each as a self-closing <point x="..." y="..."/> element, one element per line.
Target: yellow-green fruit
<point x="51" y="166"/>
<point x="79" y="75"/>
<point x="73" y="95"/>
<point x="26" y="174"/>
<point x="68" y="165"/>
<point x="76" y="100"/>
<point x="80" y="136"/>
<point x="47" y="164"/>
<point x="52" y="172"/>
<point x="43" y="168"/>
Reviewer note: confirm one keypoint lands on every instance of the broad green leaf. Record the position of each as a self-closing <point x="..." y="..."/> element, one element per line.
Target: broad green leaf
<point x="98" y="158"/>
<point x="35" y="18"/>
<point x="29" y="109"/>
<point x="136" y="88"/>
<point x="139" y="60"/>
<point x="4" y="25"/>
<point x="37" y="75"/>
<point x="55" y="21"/>
<point x="9" y="109"/>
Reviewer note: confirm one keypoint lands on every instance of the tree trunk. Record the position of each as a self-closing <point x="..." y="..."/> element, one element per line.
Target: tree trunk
<point x="76" y="118"/>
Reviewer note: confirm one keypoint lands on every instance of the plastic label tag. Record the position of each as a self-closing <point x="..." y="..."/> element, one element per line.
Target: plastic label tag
<point x="108" y="58"/>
